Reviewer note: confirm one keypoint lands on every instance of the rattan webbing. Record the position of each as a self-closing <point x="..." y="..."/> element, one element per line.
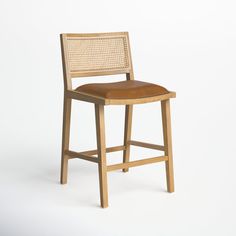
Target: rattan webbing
<point x="97" y="54"/>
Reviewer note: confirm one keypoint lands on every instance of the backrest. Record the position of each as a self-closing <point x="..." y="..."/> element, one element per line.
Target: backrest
<point x="95" y="55"/>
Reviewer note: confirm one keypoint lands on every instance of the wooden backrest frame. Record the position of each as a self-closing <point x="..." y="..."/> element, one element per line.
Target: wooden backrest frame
<point x="68" y="74"/>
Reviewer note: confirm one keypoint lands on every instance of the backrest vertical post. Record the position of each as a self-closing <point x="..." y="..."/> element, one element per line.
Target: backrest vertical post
<point x="65" y="66"/>
<point x="130" y="75"/>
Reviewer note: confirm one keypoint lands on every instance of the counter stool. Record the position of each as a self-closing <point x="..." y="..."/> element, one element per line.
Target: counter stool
<point x="101" y="54"/>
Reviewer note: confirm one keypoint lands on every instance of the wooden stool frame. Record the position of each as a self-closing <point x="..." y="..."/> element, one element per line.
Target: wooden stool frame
<point x="100" y="102"/>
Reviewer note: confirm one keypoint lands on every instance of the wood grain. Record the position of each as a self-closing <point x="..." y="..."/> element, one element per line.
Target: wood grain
<point x="166" y="122"/>
<point x="101" y="146"/>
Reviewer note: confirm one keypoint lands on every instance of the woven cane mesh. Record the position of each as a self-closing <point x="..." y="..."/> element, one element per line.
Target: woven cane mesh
<point x="97" y="54"/>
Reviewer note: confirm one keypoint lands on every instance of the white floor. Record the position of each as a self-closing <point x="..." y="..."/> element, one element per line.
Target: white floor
<point x="34" y="203"/>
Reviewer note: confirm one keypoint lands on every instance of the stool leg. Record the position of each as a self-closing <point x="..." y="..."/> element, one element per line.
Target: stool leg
<point x="127" y="134"/>
<point x="166" y="122"/>
<point x="65" y="139"/>
<point x="101" y="146"/>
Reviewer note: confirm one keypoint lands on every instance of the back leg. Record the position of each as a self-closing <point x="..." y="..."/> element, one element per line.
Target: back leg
<point x="65" y="139"/>
<point x="166" y="122"/>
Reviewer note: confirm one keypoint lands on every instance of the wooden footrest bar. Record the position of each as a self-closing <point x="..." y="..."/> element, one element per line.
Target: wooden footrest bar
<point x="110" y="149"/>
<point x="80" y="155"/>
<point x="88" y="155"/>
<point x="147" y="145"/>
<point x="136" y="163"/>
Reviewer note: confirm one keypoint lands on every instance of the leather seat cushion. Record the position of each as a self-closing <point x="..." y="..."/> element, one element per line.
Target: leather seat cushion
<point x="129" y="89"/>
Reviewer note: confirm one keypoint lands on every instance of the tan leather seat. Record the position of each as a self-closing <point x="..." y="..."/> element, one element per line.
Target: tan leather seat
<point x="130" y="89"/>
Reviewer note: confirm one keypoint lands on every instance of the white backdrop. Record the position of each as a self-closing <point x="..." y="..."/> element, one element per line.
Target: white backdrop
<point x="186" y="46"/>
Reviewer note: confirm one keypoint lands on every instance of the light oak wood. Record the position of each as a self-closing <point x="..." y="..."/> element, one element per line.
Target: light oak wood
<point x="72" y="155"/>
<point x="75" y="74"/>
<point x="130" y="74"/>
<point x="136" y="163"/>
<point x="127" y="134"/>
<point x="65" y="64"/>
<point x="65" y="139"/>
<point x="88" y="155"/>
<point x="109" y="149"/>
<point x="85" y="97"/>
<point x="166" y="122"/>
<point x="70" y="60"/>
<point x="100" y="100"/>
<point x="147" y="145"/>
<point x="139" y="100"/>
<point x="101" y="146"/>
<point x="95" y="35"/>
